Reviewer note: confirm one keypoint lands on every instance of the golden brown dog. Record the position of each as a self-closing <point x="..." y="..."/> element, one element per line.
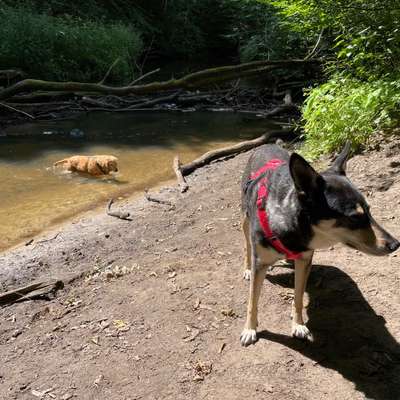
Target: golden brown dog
<point x="93" y="165"/>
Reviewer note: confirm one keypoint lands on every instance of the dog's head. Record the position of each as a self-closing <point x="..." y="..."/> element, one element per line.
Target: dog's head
<point x="107" y="163"/>
<point x="112" y="164"/>
<point x="338" y="211"/>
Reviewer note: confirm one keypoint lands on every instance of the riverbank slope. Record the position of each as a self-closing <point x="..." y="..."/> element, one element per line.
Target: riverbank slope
<point x="159" y="313"/>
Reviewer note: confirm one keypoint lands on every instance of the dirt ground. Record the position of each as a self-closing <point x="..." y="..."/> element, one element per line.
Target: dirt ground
<point x="159" y="314"/>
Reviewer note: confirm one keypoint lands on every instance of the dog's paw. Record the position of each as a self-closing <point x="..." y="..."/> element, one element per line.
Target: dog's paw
<point x="302" y="332"/>
<point x="246" y="274"/>
<point x="248" y="336"/>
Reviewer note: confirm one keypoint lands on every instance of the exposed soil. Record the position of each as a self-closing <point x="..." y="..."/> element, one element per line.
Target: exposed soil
<point x="160" y="312"/>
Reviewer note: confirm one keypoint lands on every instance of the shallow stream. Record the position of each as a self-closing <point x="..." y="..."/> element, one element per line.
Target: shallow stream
<point x="34" y="196"/>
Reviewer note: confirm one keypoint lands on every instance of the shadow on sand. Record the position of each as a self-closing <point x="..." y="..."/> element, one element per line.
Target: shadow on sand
<point x="350" y="337"/>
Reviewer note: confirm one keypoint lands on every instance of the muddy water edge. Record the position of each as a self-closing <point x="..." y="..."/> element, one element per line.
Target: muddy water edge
<point x="34" y="196"/>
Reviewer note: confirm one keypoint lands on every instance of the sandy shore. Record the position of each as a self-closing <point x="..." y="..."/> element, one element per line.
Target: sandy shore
<point x="166" y="323"/>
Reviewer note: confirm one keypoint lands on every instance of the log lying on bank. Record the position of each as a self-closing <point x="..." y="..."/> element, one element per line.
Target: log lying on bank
<point x="224" y="152"/>
<point x="191" y="81"/>
<point x="183" y="170"/>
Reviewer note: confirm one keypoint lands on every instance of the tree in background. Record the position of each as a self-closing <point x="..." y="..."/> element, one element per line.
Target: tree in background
<point x="361" y="42"/>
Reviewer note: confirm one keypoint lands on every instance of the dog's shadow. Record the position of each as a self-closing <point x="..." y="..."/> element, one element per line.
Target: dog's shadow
<point x="349" y="337"/>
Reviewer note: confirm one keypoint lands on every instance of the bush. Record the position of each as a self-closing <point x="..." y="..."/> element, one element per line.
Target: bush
<point x="348" y="109"/>
<point x="66" y="49"/>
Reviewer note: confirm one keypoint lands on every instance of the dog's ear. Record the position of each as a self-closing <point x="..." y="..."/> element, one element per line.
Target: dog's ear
<point x="339" y="165"/>
<point x="305" y="178"/>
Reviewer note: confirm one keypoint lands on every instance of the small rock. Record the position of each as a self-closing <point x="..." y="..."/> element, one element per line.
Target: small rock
<point x="67" y="396"/>
<point x="98" y="380"/>
<point x="16" y="333"/>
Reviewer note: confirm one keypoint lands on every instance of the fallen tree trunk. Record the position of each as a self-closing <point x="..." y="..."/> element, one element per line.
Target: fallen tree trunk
<point x="224" y="152"/>
<point x="191" y="81"/>
<point x="183" y="170"/>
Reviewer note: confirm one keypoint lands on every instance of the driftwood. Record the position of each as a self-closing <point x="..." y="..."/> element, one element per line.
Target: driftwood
<point x="16" y="110"/>
<point x="117" y="214"/>
<point x="224" y="152"/>
<point x="153" y="199"/>
<point x="151" y="103"/>
<point x="191" y="81"/>
<point x="32" y="291"/>
<point x="183" y="170"/>
<point x="183" y="185"/>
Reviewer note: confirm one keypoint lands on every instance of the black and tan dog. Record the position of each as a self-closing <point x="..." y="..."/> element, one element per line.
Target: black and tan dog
<point x="290" y="210"/>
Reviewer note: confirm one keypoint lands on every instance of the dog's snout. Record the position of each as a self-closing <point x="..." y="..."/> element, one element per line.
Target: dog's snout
<point x="393" y="245"/>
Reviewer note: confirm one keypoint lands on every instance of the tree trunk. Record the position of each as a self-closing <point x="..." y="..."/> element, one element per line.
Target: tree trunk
<point x="192" y="81"/>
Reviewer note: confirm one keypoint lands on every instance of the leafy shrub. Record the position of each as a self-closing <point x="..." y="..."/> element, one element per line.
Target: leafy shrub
<point x="348" y="109"/>
<point x="65" y="49"/>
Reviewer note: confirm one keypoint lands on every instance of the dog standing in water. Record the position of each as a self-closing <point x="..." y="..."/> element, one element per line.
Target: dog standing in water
<point x="290" y="210"/>
<point x="92" y="165"/>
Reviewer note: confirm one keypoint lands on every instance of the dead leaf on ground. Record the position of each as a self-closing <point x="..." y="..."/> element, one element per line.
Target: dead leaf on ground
<point x="121" y="325"/>
<point x="201" y="369"/>
<point x="229" y="313"/>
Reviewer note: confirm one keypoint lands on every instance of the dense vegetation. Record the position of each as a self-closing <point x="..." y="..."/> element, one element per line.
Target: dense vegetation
<point x="78" y="40"/>
<point x="358" y="41"/>
<point x="361" y="46"/>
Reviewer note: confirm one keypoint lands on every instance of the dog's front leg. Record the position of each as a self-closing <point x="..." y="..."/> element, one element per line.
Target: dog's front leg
<point x="247" y="248"/>
<point x="301" y="273"/>
<point x="249" y="335"/>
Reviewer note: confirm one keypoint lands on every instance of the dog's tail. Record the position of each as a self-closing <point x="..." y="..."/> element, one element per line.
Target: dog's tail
<point x="60" y="162"/>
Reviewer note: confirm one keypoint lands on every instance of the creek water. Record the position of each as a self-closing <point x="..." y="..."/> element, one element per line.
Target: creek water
<point x="34" y="195"/>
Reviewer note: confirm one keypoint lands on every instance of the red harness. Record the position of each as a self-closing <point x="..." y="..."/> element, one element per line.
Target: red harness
<point x="262" y="195"/>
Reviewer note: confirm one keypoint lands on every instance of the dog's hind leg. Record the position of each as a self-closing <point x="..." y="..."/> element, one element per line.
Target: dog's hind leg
<point x="247" y="248"/>
<point x="301" y="273"/>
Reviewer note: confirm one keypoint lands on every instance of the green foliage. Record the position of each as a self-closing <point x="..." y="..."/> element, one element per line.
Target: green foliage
<point x="259" y="33"/>
<point x="348" y="109"/>
<point x="66" y="48"/>
<point x="364" y="35"/>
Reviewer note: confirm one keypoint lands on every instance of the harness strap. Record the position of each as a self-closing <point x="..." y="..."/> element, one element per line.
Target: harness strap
<point x="262" y="195"/>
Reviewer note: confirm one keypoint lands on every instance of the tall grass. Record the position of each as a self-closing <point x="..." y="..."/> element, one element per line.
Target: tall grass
<point x="345" y="108"/>
<point x="66" y="49"/>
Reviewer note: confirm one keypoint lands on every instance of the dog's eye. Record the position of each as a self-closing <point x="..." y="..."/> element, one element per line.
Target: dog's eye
<point x="357" y="220"/>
